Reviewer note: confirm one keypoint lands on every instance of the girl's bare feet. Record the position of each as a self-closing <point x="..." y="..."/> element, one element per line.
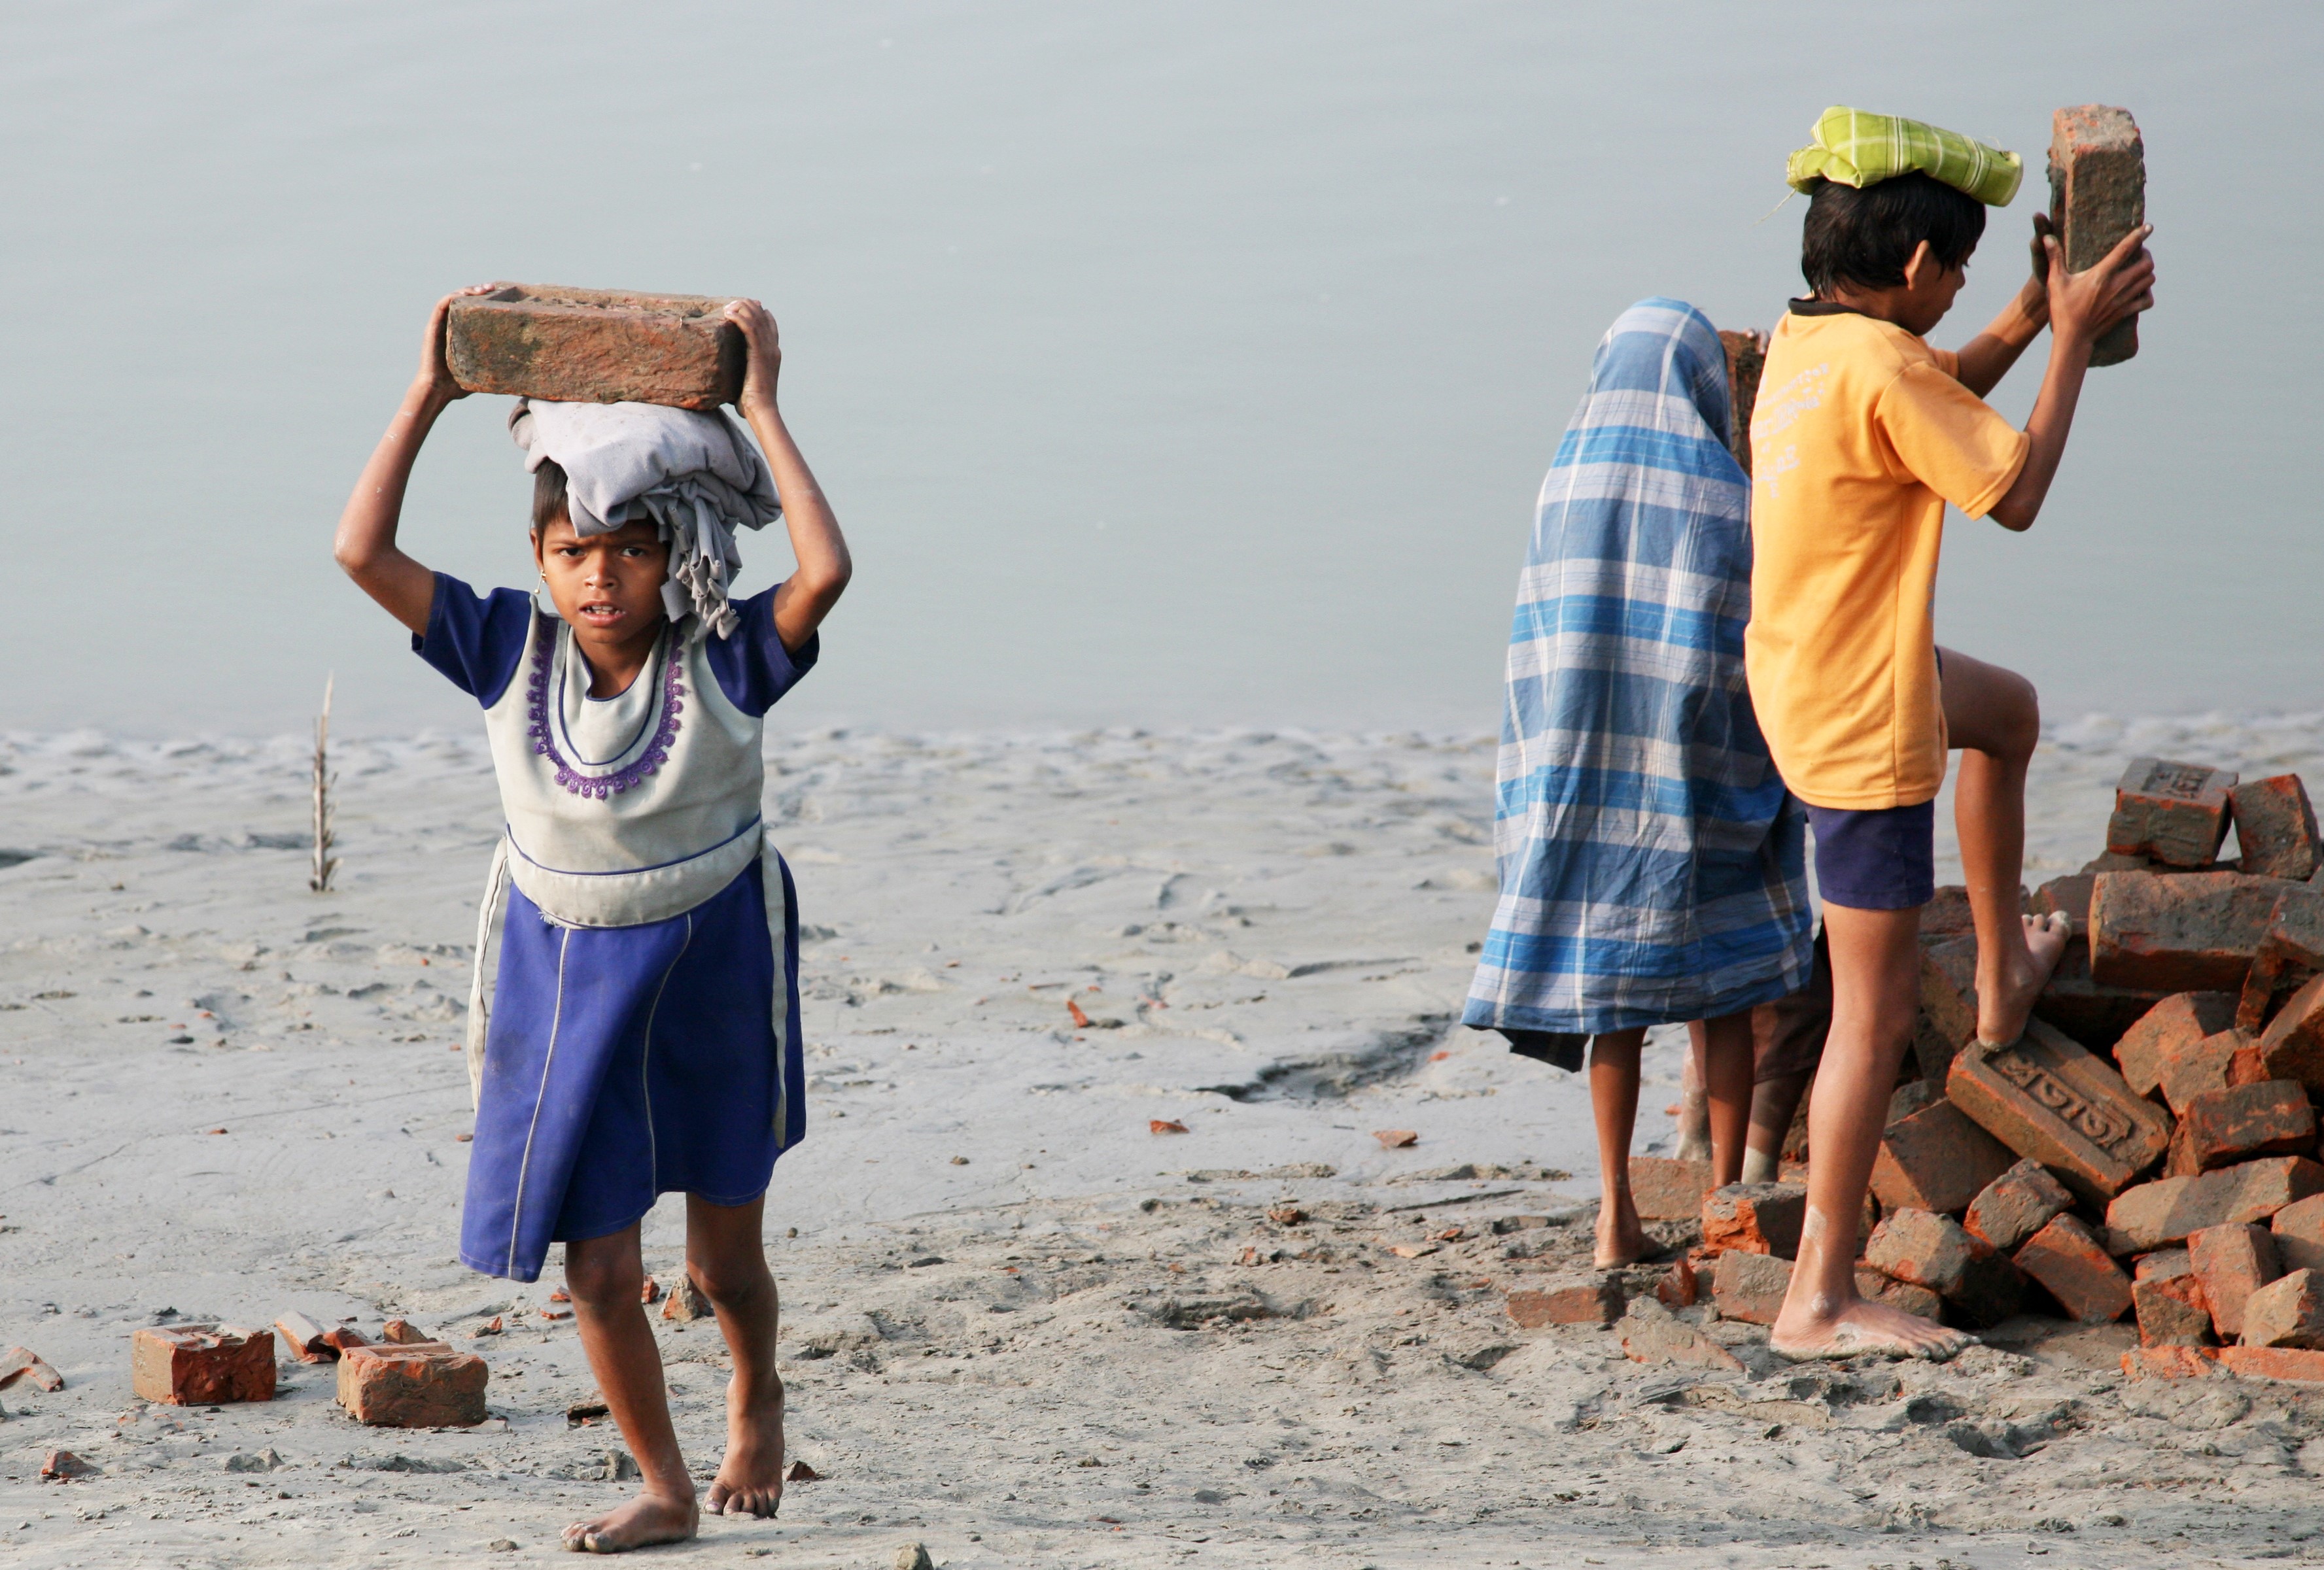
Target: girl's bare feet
<point x="651" y="1517"/>
<point x="1621" y="1239"/>
<point x="2008" y="987"/>
<point x="750" y="1481"/>
<point x="1860" y="1325"/>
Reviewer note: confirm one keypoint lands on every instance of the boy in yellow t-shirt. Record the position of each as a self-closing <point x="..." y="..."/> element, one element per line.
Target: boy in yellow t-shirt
<point x="1862" y="434"/>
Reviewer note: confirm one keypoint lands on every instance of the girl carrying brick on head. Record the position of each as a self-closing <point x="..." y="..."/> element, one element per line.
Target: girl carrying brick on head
<point x="1653" y="868"/>
<point x="638" y="1033"/>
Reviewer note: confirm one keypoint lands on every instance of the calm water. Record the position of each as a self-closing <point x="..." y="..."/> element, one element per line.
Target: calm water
<point x="1168" y="363"/>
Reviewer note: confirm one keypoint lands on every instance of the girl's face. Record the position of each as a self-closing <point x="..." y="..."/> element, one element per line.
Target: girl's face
<point x="607" y="587"/>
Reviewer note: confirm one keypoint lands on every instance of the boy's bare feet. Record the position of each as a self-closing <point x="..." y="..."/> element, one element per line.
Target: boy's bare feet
<point x="1860" y="1325"/>
<point x="750" y="1481"/>
<point x="2007" y="985"/>
<point x="651" y="1517"/>
<point x="1621" y="1239"/>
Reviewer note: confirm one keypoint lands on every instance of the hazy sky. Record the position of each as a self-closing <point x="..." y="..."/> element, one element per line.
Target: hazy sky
<point x="1166" y="364"/>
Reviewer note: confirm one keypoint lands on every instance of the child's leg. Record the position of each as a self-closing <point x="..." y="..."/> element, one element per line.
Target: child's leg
<point x="1614" y="1103"/>
<point x="1694" y="1102"/>
<point x="1723" y="1063"/>
<point x="727" y="1260"/>
<point x="1774" y="1104"/>
<point x="1994" y="717"/>
<point x="604" y="1277"/>
<point x="1875" y="961"/>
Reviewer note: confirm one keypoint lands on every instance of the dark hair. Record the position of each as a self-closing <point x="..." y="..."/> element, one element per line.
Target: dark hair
<point x="1865" y="237"/>
<point x="547" y="495"/>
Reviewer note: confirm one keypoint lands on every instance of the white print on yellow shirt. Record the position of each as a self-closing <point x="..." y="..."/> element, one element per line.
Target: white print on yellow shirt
<point x="1776" y="413"/>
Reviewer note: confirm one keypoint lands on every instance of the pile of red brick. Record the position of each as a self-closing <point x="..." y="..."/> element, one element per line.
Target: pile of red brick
<point x="411" y="1382"/>
<point x="2148" y="1147"/>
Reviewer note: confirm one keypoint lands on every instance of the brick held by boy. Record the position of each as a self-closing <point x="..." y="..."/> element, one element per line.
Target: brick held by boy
<point x="1862" y="434"/>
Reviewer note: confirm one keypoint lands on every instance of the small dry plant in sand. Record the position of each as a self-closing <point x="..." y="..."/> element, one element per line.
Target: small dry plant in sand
<point x="326" y="864"/>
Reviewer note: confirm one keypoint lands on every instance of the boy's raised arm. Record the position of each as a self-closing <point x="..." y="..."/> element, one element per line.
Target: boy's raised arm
<point x="806" y="597"/>
<point x="1986" y="358"/>
<point x="365" y="544"/>
<point x="2082" y="307"/>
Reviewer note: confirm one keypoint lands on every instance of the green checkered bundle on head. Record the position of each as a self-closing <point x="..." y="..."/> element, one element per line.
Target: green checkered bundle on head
<point x="1853" y="147"/>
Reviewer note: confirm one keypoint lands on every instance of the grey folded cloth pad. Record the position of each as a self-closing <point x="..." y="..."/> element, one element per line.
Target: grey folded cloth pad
<point x="697" y="477"/>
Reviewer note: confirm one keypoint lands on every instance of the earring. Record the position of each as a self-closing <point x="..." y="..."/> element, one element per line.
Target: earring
<point x="544" y="577"/>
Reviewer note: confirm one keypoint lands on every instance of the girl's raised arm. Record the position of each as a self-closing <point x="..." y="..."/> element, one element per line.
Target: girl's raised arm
<point x="807" y="596"/>
<point x="365" y="544"/>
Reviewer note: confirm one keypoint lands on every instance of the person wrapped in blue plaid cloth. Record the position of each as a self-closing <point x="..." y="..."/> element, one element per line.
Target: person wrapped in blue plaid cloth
<point x="1652" y="865"/>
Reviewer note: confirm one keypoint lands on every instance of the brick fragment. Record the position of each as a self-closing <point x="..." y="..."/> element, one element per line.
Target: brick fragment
<point x="2291" y="951"/>
<point x="2173" y="1310"/>
<point x="2289" y="1312"/>
<point x="2095" y="1014"/>
<point x="1665" y="1189"/>
<point x="594" y="346"/>
<point x="2167" y="1362"/>
<point x="1755" y="1218"/>
<point x="421" y="1385"/>
<point x="2016" y="1204"/>
<point x="2298" y="1229"/>
<point x="650" y="1290"/>
<point x="2200" y="1069"/>
<point x="1938" y="1159"/>
<point x="1595" y="1298"/>
<point x="686" y="1302"/>
<point x="2298" y="1365"/>
<point x="1750" y="1287"/>
<point x="2192" y="932"/>
<point x="2174" y="813"/>
<point x="199" y="1365"/>
<point x="1948" y="1004"/>
<point x="2234" y="1123"/>
<point x="1910" y="1098"/>
<point x="304" y="1339"/>
<point x="340" y="1337"/>
<point x="1875" y="1287"/>
<point x="22" y="1362"/>
<point x="2169" y="1209"/>
<point x="2232" y="1262"/>
<point x="2168" y="1030"/>
<point x="1948" y="915"/>
<point x="2276" y="827"/>
<point x="1932" y="1251"/>
<point x="2113" y="862"/>
<point x="1680" y="1285"/>
<point x="1747" y="358"/>
<point x="2069" y="897"/>
<point x="63" y="1465"/>
<point x="2097" y="195"/>
<point x="2077" y="1270"/>
<point x="2293" y="1046"/>
<point x="1652" y="1335"/>
<point x="2044" y="1096"/>
<point x="402" y="1333"/>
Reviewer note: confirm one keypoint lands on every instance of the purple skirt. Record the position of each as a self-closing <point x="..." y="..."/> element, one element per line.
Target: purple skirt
<point x="623" y="1063"/>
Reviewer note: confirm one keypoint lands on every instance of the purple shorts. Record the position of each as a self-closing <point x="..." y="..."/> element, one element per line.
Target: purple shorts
<point x="1881" y="860"/>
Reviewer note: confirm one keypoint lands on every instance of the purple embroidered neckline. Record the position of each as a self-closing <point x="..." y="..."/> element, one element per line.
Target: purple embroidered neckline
<point x="544" y="741"/>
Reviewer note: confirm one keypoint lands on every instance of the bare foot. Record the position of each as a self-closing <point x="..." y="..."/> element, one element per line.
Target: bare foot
<point x="1621" y="1240"/>
<point x="750" y="1481"/>
<point x="651" y="1517"/>
<point x="2005" y="998"/>
<point x="1860" y="1325"/>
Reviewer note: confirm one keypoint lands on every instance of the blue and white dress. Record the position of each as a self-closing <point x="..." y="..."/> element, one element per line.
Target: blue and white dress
<point x="1652" y="865"/>
<point x="633" y="1023"/>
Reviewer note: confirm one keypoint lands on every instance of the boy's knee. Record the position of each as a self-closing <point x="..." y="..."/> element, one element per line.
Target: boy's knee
<point x="731" y="1282"/>
<point x="598" y="1281"/>
<point x="2020" y="719"/>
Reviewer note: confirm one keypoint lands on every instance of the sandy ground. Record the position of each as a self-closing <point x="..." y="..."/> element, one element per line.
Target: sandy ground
<point x="227" y="1097"/>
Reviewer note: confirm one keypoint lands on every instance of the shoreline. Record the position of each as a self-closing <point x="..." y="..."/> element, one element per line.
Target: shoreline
<point x="1276" y="924"/>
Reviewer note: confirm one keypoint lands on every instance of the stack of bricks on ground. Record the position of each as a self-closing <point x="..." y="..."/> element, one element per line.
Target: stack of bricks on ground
<point x="2148" y="1148"/>
<point x="409" y="1380"/>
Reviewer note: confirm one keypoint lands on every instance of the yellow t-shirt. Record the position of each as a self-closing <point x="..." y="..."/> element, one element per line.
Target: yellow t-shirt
<point x="1860" y="437"/>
